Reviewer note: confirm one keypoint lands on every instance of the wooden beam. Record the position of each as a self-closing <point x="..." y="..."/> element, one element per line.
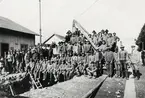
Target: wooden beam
<point x="48" y="39"/>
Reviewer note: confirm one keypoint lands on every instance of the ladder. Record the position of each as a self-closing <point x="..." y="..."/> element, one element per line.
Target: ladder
<point x="37" y="83"/>
<point x="12" y="92"/>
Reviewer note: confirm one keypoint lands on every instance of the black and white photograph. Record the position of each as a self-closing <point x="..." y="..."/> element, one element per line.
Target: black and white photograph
<point x="72" y="48"/>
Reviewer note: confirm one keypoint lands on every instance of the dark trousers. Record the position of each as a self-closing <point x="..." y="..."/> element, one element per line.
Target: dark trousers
<point x="10" y="68"/>
<point x="99" y="68"/>
<point x="123" y="68"/>
<point x="143" y="61"/>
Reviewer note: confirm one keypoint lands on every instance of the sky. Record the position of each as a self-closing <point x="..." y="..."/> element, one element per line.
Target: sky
<point x="125" y="17"/>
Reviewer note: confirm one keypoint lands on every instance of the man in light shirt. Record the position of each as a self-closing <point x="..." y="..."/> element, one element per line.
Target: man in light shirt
<point x="135" y="59"/>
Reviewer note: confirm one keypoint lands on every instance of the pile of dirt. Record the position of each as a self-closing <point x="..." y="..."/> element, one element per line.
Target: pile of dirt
<point x="9" y="80"/>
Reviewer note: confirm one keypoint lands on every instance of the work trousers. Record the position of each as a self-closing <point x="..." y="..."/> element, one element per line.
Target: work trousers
<point x="99" y="68"/>
<point x="123" y="68"/>
<point x="135" y="66"/>
<point x="109" y="67"/>
<point x="18" y="66"/>
<point x="10" y="68"/>
<point x="143" y="61"/>
<point x="117" y="68"/>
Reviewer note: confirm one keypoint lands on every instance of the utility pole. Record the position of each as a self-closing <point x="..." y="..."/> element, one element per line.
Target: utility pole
<point x="40" y="27"/>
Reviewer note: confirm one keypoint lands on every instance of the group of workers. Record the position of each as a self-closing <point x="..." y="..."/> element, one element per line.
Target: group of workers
<point x="74" y="57"/>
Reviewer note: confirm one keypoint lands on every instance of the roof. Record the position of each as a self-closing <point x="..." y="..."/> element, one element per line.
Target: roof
<point x="11" y="25"/>
<point x="57" y="35"/>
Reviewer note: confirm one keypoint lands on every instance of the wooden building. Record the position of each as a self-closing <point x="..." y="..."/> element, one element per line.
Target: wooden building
<point x="14" y="36"/>
<point x="54" y="38"/>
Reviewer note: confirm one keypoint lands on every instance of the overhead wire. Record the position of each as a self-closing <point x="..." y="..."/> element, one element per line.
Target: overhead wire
<point x="88" y="8"/>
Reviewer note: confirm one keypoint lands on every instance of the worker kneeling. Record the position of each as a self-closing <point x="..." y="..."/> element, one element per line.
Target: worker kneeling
<point x="92" y="70"/>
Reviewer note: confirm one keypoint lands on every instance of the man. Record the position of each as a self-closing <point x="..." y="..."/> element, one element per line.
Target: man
<point x="9" y="62"/>
<point x="19" y="60"/>
<point x="91" y="58"/>
<point x="27" y="57"/>
<point x="45" y="53"/>
<point x="50" y="52"/>
<point x="72" y="39"/>
<point x="69" y="49"/>
<point x="81" y="38"/>
<point x="103" y="46"/>
<point x="75" y="48"/>
<point x="109" y="61"/>
<point x="123" y="57"/>
<point x="68" y="36"/>
<point x="116" y="62"/>
<point x="97" y="61"/>
<point x="1" y="64"/>
<point x="115" y="40"/>
<point x="35" y="56"/>
<point x="30" y="66"/>
<point x="105" y="36"/>
<point x="92" y="70"/>
<point x="135" y="61"/>
<point x="94" y="37"/>
<point x="74" y="60"/>
<point x="79" y="48"/>
<point x="110" y="40"/>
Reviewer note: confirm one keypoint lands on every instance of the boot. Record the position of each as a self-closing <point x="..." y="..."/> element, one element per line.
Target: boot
<point x="126" y="74"/>
<point x="137" y="74"/>
<point x="134" y="73"/>
<point x="122" y="74"/>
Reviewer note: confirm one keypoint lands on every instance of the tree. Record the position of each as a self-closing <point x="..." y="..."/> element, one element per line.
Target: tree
<point x="140" y="42"/>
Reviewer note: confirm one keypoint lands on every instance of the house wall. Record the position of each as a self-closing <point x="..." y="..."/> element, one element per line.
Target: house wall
<point x="15" y="39"/>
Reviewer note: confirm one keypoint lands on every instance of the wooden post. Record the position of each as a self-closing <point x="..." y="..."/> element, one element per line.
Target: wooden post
<point x="40" y="26"/>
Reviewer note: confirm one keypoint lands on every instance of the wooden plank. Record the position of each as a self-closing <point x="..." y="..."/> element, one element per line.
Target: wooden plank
<point x="130" y="89"/>
<point x="85" y="33"/>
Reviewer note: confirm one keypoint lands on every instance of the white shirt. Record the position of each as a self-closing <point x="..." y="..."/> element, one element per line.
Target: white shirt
<point x="135" y="56"/>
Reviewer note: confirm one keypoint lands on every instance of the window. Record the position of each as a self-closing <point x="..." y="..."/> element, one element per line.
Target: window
<point x="24" y="47"/>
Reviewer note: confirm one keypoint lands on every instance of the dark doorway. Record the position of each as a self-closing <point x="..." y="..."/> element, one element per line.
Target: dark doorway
<point x="4" y="48"/>
<point x="24" y="47"/>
